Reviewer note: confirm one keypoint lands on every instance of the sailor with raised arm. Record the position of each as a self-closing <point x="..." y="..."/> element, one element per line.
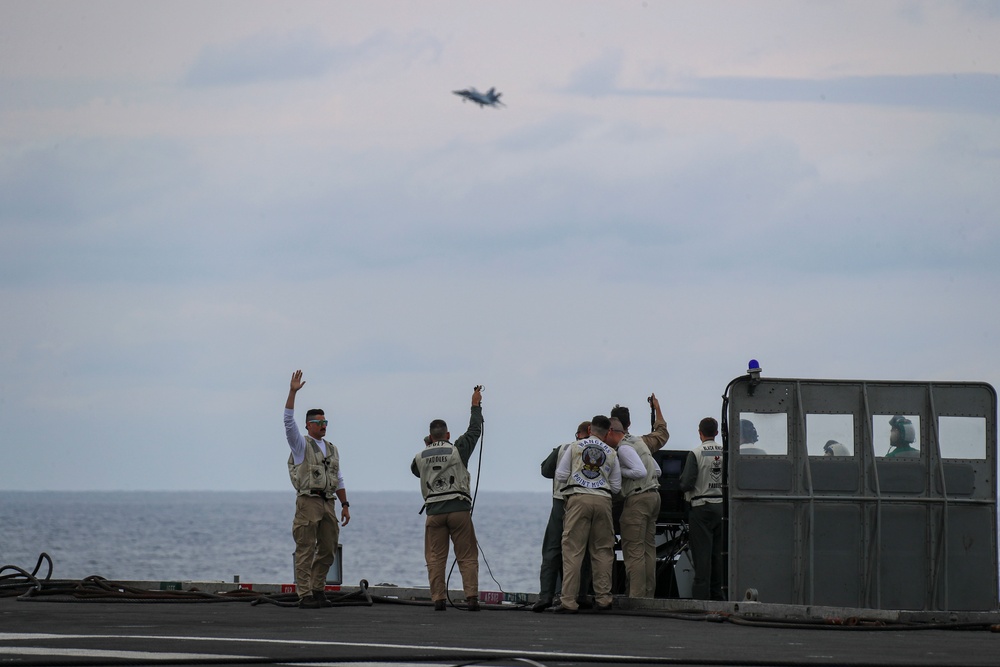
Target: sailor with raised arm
<point x="314" y="468"/>
<point x="642" y="501"/>
<point x="443" y="469"/>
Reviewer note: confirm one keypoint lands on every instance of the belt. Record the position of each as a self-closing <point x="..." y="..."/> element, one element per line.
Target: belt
<point x="568" y="491"/>
<point x="319" y="493"/>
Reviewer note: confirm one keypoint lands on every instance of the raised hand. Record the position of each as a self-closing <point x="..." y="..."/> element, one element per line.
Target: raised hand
<point x="297" y="381"/>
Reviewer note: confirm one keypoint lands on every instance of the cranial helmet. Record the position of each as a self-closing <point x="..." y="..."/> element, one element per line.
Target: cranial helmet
<point x="748" y="432"/>
<point x="834" y="448"/>
<point x="907" y="433"/>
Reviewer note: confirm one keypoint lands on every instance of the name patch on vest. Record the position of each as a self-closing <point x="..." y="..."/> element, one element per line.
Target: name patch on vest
<point x="437" y="459"/>
<point x="436" y="456"/>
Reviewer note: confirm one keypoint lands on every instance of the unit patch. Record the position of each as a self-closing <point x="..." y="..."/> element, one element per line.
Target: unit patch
<point x="593" y="457"/>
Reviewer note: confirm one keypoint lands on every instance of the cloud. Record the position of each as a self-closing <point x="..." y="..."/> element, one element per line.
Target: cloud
<point x="94" y="209"/>
<point x="988" y="9"/>
<point x="75" y="181"/>
<point x="302" y="54"/>
<point x="970" y="92"/>
<point x="548" y="134"/>
<point x="599" y="76"/>
<point x="884" y="229"/>
<point x="308" y="194"/>
<point x="263" y="57"/>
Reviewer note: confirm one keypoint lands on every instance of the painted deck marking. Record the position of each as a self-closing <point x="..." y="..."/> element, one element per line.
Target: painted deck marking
<point x="122" y="655"/>
<point x="10" y="636"/>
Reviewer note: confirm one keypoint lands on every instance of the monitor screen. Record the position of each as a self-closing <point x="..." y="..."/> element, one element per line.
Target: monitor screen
<point x="671" y="467"/>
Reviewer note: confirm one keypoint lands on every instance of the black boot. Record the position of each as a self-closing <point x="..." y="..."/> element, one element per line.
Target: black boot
<point x="309" y="603"/>
<point x="541" y="605"/>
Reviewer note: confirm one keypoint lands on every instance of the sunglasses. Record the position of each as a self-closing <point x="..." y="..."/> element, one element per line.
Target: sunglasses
<point x="321" y="422"/>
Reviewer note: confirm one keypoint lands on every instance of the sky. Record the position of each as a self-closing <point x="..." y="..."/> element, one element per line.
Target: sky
<point x="198" y="198"/>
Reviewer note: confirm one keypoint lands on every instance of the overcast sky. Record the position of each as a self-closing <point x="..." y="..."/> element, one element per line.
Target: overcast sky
<point x="197" y="198"/>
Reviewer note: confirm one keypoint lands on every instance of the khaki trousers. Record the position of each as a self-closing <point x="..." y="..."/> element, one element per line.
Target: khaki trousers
<point x="458" y="526"/>
<point x="638" y="524"/>
<point x="315" y="529"/>
<point x="587" y="524"/>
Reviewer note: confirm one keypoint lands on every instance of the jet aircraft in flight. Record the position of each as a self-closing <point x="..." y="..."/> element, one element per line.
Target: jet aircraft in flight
<point x="490" y="98"/>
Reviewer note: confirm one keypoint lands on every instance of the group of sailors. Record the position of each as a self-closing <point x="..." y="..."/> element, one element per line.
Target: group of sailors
<point x="443" y="469"/>
<point x="604" y="461"/>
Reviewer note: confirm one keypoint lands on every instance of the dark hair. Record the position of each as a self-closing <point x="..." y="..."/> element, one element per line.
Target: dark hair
<point x="621" y="413"/>
<point x="314" y="412"/>
<point x="748" y="432"/>
<point x="708" y="427"/>
<point x="438" y="430"/>
<point x="599" y="426"/>
<point x="584" y="427"/>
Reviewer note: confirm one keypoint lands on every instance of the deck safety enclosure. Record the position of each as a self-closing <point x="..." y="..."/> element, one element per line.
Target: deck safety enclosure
<point x="822" y="509"/>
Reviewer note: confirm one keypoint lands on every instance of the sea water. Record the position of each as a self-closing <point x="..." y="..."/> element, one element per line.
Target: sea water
<point x="216" y="536"/>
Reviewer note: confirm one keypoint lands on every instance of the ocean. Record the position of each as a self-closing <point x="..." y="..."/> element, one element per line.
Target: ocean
<point x="216" y="536"/>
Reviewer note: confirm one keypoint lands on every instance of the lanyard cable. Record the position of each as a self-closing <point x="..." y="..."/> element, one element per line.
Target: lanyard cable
<point x="475" y="494"/>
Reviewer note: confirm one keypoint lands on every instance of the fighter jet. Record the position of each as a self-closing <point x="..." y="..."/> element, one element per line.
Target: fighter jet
<point x="490" y="98"/>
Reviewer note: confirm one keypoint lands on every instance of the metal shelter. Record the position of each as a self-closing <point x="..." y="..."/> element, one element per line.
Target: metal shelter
<point x="827" y="505"/>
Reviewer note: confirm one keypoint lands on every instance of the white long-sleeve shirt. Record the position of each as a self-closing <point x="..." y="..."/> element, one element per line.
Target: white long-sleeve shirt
<point x="631" y="463"/>
<point x="297" y="443"/>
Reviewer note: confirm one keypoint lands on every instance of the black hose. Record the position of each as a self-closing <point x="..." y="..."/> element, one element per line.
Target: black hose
<point x="475" y="494"/>
<point x="25" y="586"/>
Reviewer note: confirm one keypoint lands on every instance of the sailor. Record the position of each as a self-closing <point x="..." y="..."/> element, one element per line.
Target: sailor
<point x="588" y="473"/>
<point x="834" y="448"/>
<point x="314" y="468"/>
<point x="443" y="469"/>
<point x="901" y="438"/>
<point x="642" y="500"/>
<point x="550" y="573"/>
<point x="748" y="439"/>
<point x="701" y="482"/>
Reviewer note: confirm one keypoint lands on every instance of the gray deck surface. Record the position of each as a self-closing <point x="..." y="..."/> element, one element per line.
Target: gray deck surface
<point x="53" y="631"/>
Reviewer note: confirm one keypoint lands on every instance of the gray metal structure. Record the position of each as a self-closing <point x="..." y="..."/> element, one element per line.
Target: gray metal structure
<point x="871" y="527"/>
